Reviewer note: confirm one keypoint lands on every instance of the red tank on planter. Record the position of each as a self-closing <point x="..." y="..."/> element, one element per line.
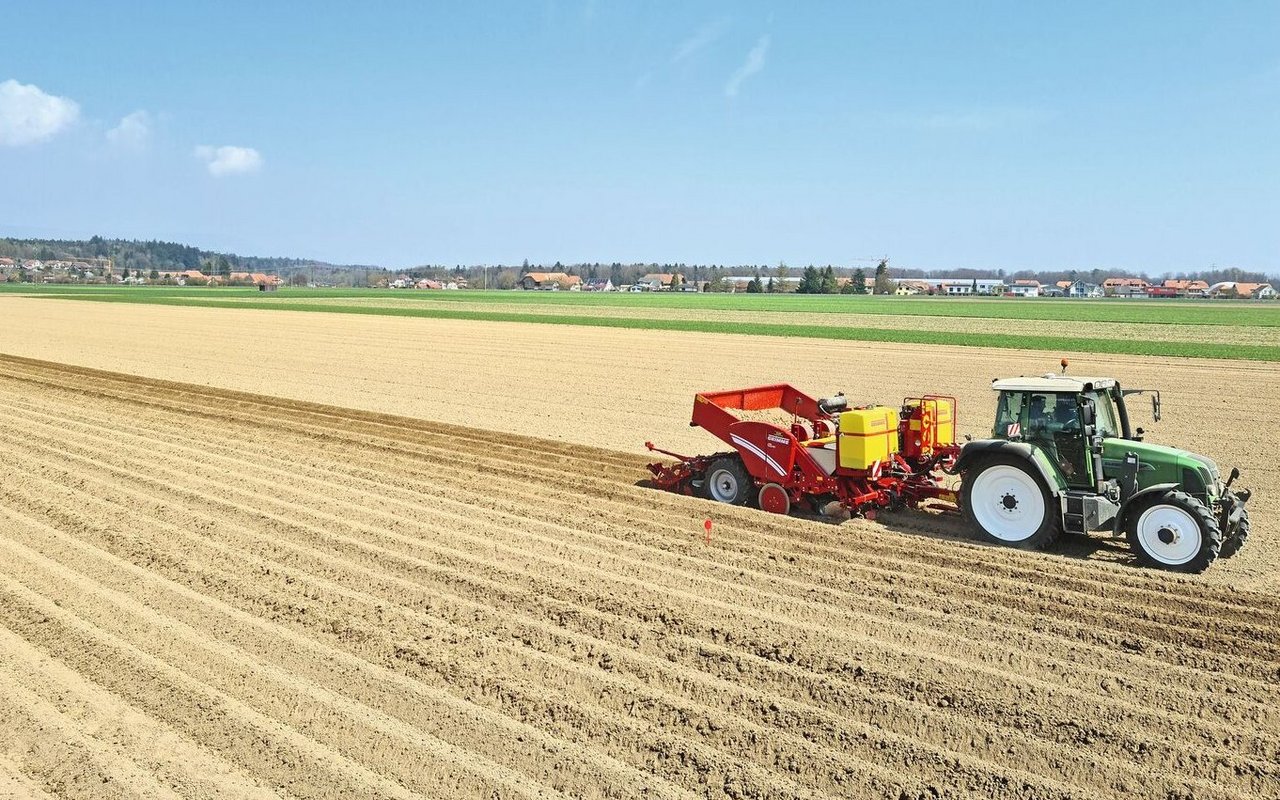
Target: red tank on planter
<point x="829" y="456"/>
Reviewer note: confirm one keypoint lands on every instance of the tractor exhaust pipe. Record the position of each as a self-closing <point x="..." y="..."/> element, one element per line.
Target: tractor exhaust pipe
<point x="1088" y="423"/>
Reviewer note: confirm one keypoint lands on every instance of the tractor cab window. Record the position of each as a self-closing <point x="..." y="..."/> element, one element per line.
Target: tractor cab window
<point x="1053" y="423"/>
<point x="1008" y="415"/>
<point x="1107" y="420"/>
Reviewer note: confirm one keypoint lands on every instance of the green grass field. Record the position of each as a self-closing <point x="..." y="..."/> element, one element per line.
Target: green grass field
<point x="514" y="306"/>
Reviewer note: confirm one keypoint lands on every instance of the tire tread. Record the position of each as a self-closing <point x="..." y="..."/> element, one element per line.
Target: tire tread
<point x="1211" y="533"/>
<point x="1050" y="530"/>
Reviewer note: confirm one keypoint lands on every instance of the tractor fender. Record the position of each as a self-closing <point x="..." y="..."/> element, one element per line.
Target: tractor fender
<point x="1122" y="516"/>
<point x="975" y="451"/>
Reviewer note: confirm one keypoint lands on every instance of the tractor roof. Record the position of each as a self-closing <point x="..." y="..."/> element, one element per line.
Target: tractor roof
<point x="1051" y="383"/>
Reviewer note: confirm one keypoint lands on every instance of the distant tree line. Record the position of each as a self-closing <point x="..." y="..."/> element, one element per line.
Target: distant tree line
<point x="142" y="258"/>
<point x="145" y="258"/>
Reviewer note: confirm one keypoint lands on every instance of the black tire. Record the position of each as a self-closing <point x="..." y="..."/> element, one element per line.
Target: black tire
<point x="1232" y="544"/>
<point x="1147" y="534"/>
<point x="976" y="510"/>
<point x="727" y="481"/>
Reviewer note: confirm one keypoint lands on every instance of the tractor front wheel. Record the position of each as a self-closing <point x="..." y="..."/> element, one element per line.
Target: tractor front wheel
<point x="1009" y="504"/>
<point x="1174" y="531"/>
<point x="1232" y="544"/>
<point x="728" y="482"/>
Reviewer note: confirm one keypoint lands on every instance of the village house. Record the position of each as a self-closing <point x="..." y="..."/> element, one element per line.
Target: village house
<point x="907" y="287"/>
<point x="657" y="282"/>
<point x="1124" y="287"/>
<point x="1024" y="288"/>
<point x="1078" y="288"/>
<point x="1187" y="288"/>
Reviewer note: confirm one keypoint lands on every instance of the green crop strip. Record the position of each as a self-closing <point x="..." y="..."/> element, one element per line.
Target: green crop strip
<point x="1151" y="312"/>
<point x="967" y="339"/>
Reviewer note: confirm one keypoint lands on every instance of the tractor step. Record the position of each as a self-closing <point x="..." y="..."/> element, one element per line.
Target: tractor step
<point x="1085" y="511"/>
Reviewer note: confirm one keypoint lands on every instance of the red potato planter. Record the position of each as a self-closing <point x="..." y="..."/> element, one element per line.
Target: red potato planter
<point x="861" y="459"/>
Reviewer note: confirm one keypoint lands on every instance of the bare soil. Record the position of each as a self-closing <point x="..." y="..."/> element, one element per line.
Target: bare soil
<point x="616" y="389"/>
<point x="212" y="593"/>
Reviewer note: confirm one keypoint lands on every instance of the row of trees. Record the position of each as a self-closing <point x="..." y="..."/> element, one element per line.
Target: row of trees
<point x="825" y="281"/>
<point x="172" y="256"/>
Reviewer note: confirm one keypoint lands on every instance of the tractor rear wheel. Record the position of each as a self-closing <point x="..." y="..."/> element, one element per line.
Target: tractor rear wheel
<point x="1174" y="531"/>
<point x="728" y="482"/>
<point x="1232" y="544"/>
<point x="1009" y="504"/>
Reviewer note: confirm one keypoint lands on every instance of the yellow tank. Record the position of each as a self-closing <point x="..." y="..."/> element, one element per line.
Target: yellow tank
<point x="945" y="422"/>
<point x="943" y="413"/>
<point x="867" y="435"/>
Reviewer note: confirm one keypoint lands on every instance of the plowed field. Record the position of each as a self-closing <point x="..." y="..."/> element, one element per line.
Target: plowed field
<point x="615" y="389"/>
<point x="208" y="593"/>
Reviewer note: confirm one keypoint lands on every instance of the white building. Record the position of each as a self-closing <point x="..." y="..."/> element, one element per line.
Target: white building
<point x="962" y="286"/>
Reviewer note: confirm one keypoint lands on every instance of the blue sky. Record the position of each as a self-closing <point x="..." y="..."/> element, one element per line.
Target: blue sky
<point x="1001" y="135"/>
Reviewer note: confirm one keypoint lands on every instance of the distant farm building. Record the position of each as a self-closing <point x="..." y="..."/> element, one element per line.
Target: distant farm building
<point x="551" y="281"/>
<point x="962" y="286"/>
<point x="1253" y="291"/>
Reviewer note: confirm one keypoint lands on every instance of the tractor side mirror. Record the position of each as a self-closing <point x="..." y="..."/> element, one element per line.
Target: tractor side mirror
<point x="1155" y="406"/>
<point x="1138" y="433"/>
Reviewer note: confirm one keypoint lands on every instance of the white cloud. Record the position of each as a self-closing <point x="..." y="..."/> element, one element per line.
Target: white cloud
<point x="753" y="64"/>
<point x="705" y="36"/>
<point x="133" y="132"/>
<point x="229" y="160"/>
<point x="28" y="115"/>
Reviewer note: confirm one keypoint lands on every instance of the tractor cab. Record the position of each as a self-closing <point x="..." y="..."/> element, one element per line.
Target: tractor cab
<point x="1049" y="412"/>
<point x="1063" y="458"/>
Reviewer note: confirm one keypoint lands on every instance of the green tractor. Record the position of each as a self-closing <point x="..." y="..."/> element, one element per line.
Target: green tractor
<point x="1064" y="459"/>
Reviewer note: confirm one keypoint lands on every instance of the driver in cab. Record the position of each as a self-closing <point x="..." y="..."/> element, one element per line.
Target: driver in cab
<point x="1046" y="426"/>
